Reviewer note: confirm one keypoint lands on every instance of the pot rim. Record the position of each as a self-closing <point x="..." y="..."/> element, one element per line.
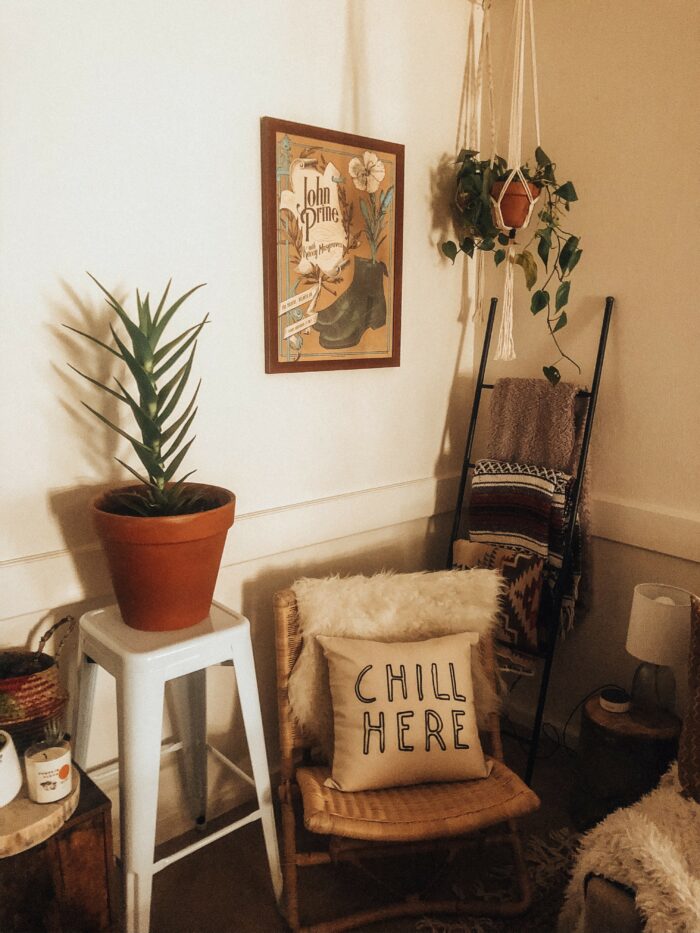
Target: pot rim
<point x="152" y="529"/>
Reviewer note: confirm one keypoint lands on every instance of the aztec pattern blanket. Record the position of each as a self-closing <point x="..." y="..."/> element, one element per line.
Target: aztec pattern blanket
<point x="528" y="508"/>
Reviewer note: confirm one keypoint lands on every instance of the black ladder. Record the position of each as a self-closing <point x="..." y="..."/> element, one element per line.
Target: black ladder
<point x="550" y="610"/>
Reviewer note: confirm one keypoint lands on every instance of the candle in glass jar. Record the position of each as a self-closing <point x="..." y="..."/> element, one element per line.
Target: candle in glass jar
<point x="48" y="768"/>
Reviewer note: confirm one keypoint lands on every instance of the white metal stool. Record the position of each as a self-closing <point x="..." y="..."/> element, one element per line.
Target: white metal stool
<point x="141" y="662"/>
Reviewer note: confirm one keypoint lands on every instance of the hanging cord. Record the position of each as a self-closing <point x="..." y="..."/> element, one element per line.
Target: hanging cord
<point x="505" y="349"/>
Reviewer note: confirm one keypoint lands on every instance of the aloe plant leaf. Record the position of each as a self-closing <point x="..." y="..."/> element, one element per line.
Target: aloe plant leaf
<point x="142" y="348"/>
<point x="179" y="439"/>
<point x="163" y="351"/>
<point x="105" y="346"/>
<point x="177" y="354"/>
<point x="180" y="377"/>
<point x="100" y="385"/>
<point x="139" y="477"/>
<point x="150" y="429"/>
<point x="175" y="426"/>
<point x="161" y="303"/>
<point x="172" y="469"/>
<point x="167" y="412"/>
<point x="167" y="316"/>
<point x="143" y="381"/>
<point x="137" y="445"/>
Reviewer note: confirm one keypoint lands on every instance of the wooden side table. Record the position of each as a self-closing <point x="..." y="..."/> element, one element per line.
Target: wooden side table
<point x="621" y="757"/>
<point x="65" y="884"/>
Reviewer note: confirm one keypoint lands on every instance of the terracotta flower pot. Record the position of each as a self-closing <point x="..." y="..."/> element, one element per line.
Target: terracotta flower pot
<point x="515" y="203"/>
<point x="164" y="569"/>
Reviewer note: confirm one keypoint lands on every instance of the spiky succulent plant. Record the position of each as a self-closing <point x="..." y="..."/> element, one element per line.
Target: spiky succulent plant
<point x="163" y="431"/>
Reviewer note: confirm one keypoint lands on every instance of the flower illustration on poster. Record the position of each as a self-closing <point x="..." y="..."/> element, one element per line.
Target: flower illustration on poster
<point x="337" y="252"/>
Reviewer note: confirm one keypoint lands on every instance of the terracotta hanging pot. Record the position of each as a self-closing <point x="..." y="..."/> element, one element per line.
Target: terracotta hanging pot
<point x="164" y="569"/>
<point x="515" y="203"/>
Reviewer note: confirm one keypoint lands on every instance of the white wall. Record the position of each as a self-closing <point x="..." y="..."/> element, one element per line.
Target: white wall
<point x="129" y="147"/>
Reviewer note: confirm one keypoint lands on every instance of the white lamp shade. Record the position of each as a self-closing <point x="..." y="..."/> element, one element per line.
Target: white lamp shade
<point x="659" y="627"/>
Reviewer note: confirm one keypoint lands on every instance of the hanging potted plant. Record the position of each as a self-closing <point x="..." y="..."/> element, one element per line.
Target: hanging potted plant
<point x="489" y="218"/>
<point x="164" y="536"/>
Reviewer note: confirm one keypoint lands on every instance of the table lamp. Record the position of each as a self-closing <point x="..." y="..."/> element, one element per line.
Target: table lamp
<point x="658" y="634"/>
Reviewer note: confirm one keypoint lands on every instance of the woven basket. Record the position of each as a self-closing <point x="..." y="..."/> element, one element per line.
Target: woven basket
<point x="32" y="702"/>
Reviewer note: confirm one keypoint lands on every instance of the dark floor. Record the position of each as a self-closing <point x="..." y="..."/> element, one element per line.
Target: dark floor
<point x="225" y="886"/>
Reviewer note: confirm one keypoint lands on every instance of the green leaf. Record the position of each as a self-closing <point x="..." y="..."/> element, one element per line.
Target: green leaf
<point x="574" y="260"/>
<point x="529" y="267"/>
<point x="139" y="341"/>
<point x="178" y="353"/>
<point x="100" y="385"/>
<point x="99" y="343"/>
<point x="562" y="297"/>
<point x="467" y="246"/>
<point x="163" y="351"/>
<point x="172" y="469"/>
<point x="561" y="322"/>
<point x="567" y="253"/>
<point x="167" y="434"/>
<point x="566" y="192"/>
<point x="150" y="431"/>
<point x="539" y="302"/>
<point x="552" y="374"/>
<point x="145" y="386"/>
<point x="161" y="304"/>
<point x="503" y="239"/>
<point x="450" y="250"/>
<point x="180" y="438"/>
<point x="499" y="256"/>
<point x="132" y="440"/>
<point x="543" y="251"/>
<point x="487" y="244"/>
<point x="542" y="157"/>
<point x="163" y="322"/>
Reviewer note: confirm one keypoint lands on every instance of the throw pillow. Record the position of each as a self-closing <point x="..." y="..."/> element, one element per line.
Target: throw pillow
<point x="402" y="713"/>
<point x="689" y="746"/>
<point x="520" y="602"/>
<point x="386" y="607"/>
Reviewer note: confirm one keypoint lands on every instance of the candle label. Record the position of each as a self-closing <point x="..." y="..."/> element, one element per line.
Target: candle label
<point x="49" y="775"/>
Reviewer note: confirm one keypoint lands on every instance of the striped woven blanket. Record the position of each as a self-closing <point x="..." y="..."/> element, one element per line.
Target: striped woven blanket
<point x="528" y="508"/>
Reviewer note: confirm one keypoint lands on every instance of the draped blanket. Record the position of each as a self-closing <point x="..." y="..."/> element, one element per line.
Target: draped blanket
<point x="652" y="847"/>
<point x="527" y="508"/>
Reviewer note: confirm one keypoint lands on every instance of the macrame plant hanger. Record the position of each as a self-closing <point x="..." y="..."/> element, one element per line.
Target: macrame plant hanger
<point x="523" y="14"/>
<point x="478" y="70"/>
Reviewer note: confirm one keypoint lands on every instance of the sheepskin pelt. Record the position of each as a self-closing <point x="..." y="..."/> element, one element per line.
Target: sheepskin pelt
<point x="386" y="607"/>
<point x="652" y="847"/>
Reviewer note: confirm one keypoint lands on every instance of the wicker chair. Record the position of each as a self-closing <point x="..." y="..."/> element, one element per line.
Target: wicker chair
<point x="357" y="825"/>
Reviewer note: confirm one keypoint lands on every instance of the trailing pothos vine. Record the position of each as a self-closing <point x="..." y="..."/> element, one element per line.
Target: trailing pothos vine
<point x="557" y="248"/>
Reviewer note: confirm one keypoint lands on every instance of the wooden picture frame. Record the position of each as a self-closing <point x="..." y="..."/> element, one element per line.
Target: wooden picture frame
<point x="332" y="206"/>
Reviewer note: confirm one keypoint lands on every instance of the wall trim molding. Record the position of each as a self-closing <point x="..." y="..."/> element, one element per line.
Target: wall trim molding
<point x="653" y="528"/>
<point x="39" y="581"/>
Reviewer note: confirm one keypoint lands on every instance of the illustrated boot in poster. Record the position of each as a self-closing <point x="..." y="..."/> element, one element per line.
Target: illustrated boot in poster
<point x="362" y="305"/>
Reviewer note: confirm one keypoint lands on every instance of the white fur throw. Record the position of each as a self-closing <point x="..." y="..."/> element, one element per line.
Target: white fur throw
<point x="653" y="847"/>
<point x="386" y="607"/>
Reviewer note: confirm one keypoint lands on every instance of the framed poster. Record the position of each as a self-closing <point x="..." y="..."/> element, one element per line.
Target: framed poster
<point x="332" y="246"/>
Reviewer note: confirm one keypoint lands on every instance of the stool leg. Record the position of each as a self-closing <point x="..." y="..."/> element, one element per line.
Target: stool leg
<point x="82" y="710"/>
<point x="244" y="666"/>
<point x="190" y="707"/>
<point x="140" y="714"/>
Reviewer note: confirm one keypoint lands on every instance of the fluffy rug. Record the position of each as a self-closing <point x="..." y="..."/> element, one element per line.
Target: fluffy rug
<point x="654" y="848"/>
<point x="392" y="608"/>
<point x="549" y="860"/>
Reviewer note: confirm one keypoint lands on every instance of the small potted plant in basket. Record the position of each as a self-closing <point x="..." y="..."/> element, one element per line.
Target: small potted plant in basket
<point x="164" y="536"/>
<point x="488" y="218"/>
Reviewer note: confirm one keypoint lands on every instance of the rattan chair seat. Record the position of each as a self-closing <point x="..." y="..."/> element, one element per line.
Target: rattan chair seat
<point x="418" y="812"/>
